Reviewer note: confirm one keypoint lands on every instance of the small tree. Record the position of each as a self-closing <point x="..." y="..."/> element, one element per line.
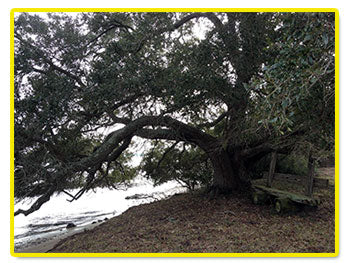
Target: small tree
<point x="187" y="165"/>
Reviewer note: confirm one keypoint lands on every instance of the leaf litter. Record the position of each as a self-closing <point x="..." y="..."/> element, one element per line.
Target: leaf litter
<point x="195" y="223"/>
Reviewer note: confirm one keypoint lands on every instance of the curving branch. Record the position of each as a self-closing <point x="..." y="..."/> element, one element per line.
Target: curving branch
<point x="38" y="203"/>
<point x="118" y="141"/>
<point x="283" y="144"/>
<point x="114" y="25"/>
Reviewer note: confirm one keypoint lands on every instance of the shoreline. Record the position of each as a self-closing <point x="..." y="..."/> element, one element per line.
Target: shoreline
<point x="43" y="243"/>
<point x="194" y="223"/>
<point x="49" y="243"/>
<point x="184" y="224"/>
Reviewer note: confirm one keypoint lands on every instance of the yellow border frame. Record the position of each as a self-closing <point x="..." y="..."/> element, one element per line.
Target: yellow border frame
<point x="175" y="254"/>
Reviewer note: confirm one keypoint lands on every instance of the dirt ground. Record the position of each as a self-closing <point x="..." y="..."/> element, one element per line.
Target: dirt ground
<point x="195" y="223"/>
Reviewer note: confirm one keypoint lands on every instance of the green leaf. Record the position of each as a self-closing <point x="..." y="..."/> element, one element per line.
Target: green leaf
<point x="325" y="39"/>
<point x="274" y="120"/>
<point x="307" y="38"/>
<point x="285" y="103"/>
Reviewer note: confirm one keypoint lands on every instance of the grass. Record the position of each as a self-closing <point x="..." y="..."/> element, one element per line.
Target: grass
<point x="195" y="223"/>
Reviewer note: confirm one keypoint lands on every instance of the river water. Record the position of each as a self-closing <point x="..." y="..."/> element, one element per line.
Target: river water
<point x="50" y="221"/>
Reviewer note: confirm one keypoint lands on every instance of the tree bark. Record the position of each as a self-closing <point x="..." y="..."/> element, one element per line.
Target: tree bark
<point x="310" y="177"/>
<point x="224" y="179"/>
<point x="230" y="172"/>
<point x="272" y="169"/>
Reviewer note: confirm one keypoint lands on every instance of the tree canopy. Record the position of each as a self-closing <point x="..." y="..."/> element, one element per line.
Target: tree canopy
<point x="254" y="83"/>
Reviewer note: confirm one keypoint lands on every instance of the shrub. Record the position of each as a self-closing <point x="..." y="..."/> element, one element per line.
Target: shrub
<point x="292" y="164"/>
<point x="189" y="166"/>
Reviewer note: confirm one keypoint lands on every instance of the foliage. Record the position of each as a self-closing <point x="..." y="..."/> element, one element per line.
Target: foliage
<point x="190" y="167"/>
<point x="300" y="77"/>
<point x="87" y="85"/>
<point x="292" y="164"/>
<point x="260" y="167"/>
<point x="40" y="164"/>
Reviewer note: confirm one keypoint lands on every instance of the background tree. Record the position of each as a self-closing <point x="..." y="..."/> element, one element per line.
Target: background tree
<point x="256" y="83"/>
<point x="185" y="164"/>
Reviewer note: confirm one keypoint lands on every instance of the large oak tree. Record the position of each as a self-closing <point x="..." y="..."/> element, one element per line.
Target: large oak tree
<point x="237" y="86"/>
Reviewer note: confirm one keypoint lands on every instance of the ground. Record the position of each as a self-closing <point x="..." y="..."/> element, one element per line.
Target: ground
<point x="193" y="222"/>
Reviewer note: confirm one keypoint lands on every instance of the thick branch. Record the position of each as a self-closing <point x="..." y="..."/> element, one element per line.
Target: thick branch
<point x="179" y="130"/>
<point x="107" y="152"/>
<point x="115" y="154"/>
<point x="152" y="134"/>
<point x="283" y="144"/>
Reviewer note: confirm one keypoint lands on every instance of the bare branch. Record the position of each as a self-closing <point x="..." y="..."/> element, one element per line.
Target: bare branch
<point x="113" y="25"/>
<point x="38" y="203"/>
<point x="165" y="153"/>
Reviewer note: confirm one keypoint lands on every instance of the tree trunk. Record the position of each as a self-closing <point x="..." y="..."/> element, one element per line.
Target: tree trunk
<point x="229" y="173"/>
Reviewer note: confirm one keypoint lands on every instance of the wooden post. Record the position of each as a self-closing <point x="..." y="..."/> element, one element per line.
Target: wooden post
<point x="272" y="169"/>
<point x="310" y="177"/>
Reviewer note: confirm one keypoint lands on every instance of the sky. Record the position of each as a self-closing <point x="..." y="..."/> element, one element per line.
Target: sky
<point x="344" y="109"/>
